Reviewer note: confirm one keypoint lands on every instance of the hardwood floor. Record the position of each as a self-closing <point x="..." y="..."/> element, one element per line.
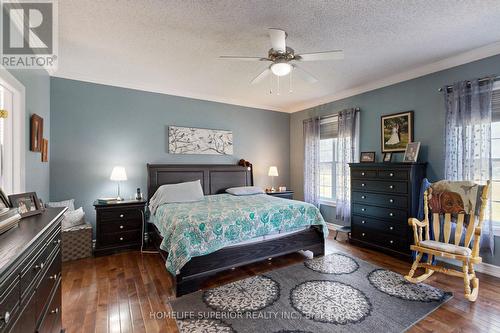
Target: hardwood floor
<point x="119" y="293"/>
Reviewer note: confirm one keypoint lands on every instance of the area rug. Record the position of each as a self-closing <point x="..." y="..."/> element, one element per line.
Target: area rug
<point x="334" y="293"/>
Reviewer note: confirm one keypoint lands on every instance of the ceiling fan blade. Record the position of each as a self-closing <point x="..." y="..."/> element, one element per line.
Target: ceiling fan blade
<point x="278" y="37"/>
<point x="243" y="58"/>
<point x="304" y="75"/>
<point x="261" y="76"/>
<point x="318" y="56"/>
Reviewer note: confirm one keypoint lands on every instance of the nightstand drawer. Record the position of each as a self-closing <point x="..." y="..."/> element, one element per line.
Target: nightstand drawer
<point x="120" y="226"/>
<point x="118" y="238"/>
<point x="120" y="214"/>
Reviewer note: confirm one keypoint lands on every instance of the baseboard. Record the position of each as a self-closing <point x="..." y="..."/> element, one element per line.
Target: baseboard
<point x="483" y="267"/>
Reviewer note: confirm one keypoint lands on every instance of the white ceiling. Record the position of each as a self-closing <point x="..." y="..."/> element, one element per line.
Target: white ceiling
<point x="172" y="46"/>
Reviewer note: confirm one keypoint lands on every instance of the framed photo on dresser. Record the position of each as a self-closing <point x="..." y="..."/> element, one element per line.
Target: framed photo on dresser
<point x="26" y="203"/>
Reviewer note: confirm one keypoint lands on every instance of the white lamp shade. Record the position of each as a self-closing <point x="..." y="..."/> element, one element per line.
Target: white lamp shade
<point x="118" y="174"/>
<point x="273" y="171"/>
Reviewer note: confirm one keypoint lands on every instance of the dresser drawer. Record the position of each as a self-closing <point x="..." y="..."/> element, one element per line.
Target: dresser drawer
<point x="387" y="200"/>
<point x="10" y="292"/>
<point x="386" y="226"/>
<point x="384" y="213"/>
<point x="118" y="238"/>
<point x="391" y="242"/>
<point x="380" y="186"/>
<point x="49" y="280"/>
<point x="362" y="174"/>
<point x="394" y="174"/>
<point x="51" y="322"/>
<point x="119" y="226"/>
<point x="120" y="214"/>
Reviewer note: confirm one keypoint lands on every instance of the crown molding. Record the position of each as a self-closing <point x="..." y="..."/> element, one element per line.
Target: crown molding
<point x="457" y="60"/>
<point x="172" y="92"/>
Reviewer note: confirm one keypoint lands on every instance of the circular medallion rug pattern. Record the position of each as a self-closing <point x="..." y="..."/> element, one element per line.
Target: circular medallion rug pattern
<point x="332" y="264"/>
<point x="250" y="294"/>
<point x="203" y="326"/>
<point x="394" y="284"/>
<point x="330" y="302"/>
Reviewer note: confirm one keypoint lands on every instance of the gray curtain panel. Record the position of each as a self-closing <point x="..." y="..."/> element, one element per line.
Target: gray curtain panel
<point x="347" y="152"/>
<point x="468" y="139"/>
<point x="311" y="160"/>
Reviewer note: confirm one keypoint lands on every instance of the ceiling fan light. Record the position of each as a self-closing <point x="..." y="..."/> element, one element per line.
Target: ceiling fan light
<point x="281" y="68"/>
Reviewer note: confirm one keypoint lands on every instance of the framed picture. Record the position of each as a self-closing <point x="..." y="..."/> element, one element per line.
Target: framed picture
<point x="45" y="150"/>
<point x="26" y="203"/>
<point x="411" y="152"/>
<point x="36" y="134"/>
<point x="4" y="201"/>
<point x="387" y="157"/>
<point x="396" y="131"/>
<point x="367" y="157"/>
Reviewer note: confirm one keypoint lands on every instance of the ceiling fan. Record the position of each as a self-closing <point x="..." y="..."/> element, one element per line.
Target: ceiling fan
<point x="283" y="58"/>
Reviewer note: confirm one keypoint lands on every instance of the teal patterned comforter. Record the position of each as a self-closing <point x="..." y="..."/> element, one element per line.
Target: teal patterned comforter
<point x="199" y="228"/>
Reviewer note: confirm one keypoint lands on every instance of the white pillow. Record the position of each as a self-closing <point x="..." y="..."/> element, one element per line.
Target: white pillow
<point x="176" y="193"/>
<point x="66" y="203"/>
<point x="245" y="190"/>
<point x="73" y="218"/>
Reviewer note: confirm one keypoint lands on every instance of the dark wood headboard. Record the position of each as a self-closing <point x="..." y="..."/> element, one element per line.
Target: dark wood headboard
<point x="215" y="178"/>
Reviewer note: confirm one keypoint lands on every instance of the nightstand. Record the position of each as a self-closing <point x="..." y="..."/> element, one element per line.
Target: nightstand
<point x="119" y="226"/>
<point x="284" y="194"/>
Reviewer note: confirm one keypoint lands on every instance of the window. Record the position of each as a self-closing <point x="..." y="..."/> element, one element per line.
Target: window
<point x="328" y="158"/>
<point x="495" y="157"/>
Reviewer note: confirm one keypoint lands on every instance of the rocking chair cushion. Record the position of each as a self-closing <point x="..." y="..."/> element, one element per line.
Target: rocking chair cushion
<point x="444" y="247"/>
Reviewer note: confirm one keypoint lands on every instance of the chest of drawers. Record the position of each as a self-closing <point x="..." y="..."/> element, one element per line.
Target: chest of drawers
<point x="383" y="197"/>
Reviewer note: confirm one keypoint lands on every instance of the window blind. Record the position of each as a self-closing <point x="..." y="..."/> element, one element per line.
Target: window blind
<point x="495" y="105"/>
<point x="329" y="128"/>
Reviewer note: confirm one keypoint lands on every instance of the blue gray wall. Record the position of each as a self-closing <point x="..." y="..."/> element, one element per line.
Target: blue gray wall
<point x="419" y="94"/>
<point x="37" y="89"/>
<point x="95" y="127"/>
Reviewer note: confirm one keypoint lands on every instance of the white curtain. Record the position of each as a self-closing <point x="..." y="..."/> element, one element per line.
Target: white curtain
<point x="347" y="152"/>
<point x="311" y="160"/>
<point x="468" y="138"/>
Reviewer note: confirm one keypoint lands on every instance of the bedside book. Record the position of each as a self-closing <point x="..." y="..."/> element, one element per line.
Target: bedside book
<point x="106" y="200"/>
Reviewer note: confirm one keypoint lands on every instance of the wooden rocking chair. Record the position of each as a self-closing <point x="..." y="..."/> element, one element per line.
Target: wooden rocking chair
<point x="459" y="248"/>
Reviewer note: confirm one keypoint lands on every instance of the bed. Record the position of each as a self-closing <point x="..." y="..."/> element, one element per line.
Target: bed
<point x="182" y="229"/>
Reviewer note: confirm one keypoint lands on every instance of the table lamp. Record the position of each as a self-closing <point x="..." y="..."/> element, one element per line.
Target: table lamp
<point x="273" y="172"/>
<point x="118" y="174"/>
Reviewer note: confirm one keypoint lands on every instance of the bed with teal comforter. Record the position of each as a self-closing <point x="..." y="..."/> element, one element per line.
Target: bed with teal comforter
<point x="199" y="228"/>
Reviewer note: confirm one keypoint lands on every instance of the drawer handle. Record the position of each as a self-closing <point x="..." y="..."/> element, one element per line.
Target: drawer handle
<point x="121" y="227"/>
<point x="53" y="277"/>
<point x="391" y="186"/>
<point x="121" y="215"/>
<point x="391" y="175"/>
<point x="363" y="185"/>
<point x="363" y="209"/>
<point x="363" y="234"/>
<point x="55" y="311"/>
<point x="363" y="197"/>
<point x="363" y="222"/>
<point x="391" y="241"/>
<point x="391" y="228"/>
<point x="37" y="267"/>
<point x="391" y="214"/>
<point x="362" y="174"/>
<point x="6" y="317"/>
<point x="391" y="200"/>
<point x="121" y="238"/>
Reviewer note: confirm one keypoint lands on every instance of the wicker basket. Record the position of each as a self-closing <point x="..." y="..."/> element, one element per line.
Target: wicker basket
<point x="77" y="242"/>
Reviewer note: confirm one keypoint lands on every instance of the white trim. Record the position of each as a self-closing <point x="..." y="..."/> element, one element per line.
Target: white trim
<point x="483" y="267"/>
<point x="457" y="60"/>
<point x="19" y="126"/>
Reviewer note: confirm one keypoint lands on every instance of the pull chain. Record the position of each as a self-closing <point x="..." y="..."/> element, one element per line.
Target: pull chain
<point x="290" y="82"/>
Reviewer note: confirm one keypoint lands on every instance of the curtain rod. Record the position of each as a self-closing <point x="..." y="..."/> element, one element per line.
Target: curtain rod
<point x="495" y="78"/>
<point x="336" y="114"/>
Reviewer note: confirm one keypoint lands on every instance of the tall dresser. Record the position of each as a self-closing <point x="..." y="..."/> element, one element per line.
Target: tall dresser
<point x="30" y="275"/>
<point x="383" y="197"/>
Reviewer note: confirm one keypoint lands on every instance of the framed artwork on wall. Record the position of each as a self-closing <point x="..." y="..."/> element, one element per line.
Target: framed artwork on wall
<point x="396" y="131"/>
<point x="191" y="140"/>
<point x="36" y="133"/>
<point x="45" y="150"/>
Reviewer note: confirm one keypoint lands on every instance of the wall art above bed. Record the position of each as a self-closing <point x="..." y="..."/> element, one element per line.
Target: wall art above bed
<point x="190" y="140"/>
